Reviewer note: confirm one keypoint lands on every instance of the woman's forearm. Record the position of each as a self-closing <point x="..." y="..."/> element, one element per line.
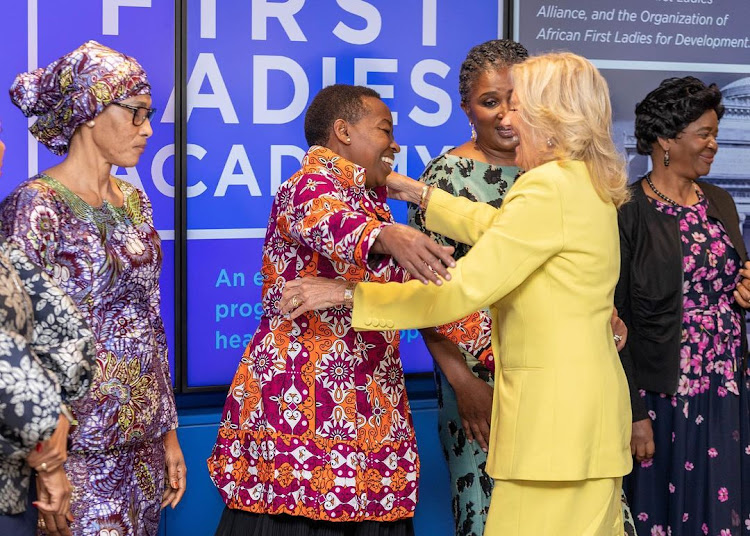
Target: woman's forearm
<point x="448" y="357"/>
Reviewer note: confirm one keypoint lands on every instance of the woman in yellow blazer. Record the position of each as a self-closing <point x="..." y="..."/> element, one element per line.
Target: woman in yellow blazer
<point x="546" y="263"/>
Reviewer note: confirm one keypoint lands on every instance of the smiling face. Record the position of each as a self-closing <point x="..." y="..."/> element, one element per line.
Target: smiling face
<point x="119" y="141"/>
<point x="487" y="104"/>
<point x="692" y="152"/>
<point x="528" y="151"/>
<point x="372" y="145"/>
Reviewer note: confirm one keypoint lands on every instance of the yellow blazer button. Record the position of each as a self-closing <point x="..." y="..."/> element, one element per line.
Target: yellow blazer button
<point x="390" y="324"/>
<point x="368" y="322"/>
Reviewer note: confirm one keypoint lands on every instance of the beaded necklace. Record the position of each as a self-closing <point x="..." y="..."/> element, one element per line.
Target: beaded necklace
<point x="664" y="197"/>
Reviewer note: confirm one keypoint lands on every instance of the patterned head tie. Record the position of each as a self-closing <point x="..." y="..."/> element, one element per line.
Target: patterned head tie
<point x="74" y="89"/>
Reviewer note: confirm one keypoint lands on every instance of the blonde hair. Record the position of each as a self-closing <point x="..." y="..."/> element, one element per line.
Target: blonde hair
<point x="564" y="99"/>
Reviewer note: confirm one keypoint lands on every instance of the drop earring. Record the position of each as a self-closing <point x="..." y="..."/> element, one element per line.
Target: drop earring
<point x="549" y="143"/>
<point x="473" y="132"/>
<point x="666" y="158"/>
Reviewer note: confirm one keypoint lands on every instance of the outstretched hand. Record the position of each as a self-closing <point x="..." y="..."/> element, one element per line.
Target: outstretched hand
<point x="416" y="252"/>
<point x="402" y="188"/>
<point x="310" y="294"/>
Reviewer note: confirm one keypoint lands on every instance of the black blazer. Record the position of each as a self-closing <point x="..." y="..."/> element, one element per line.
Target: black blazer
<point x="649" y="294"/>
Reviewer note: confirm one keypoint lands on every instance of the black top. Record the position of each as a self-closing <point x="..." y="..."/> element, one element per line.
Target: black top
<point x="649" y="293"/>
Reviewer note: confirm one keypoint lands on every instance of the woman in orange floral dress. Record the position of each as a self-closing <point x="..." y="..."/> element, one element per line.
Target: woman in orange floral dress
<point x="317" y="435"/>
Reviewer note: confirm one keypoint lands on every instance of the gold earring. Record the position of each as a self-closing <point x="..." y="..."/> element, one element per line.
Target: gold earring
<point x="90" y="123"/>
<point x="666" y="158"/>
<point x="473" y="132"/>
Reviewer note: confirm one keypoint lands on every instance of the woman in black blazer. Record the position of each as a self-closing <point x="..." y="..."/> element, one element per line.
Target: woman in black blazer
<point x="683" y="297"/>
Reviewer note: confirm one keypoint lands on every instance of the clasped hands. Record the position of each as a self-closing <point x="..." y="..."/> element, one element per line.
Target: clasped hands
<point x="742" y="291"/>
<point x="52" y="485"/>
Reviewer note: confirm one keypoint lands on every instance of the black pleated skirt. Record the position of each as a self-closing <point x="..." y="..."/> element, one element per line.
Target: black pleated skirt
<point x="240" y="523"/>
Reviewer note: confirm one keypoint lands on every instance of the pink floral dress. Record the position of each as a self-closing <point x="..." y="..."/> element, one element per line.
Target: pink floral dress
<point x="698" y="483"/>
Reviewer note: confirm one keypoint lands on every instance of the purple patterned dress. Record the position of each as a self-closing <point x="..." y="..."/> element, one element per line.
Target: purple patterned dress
<point x="698" y="483"/>
<point x="108" y="260"/>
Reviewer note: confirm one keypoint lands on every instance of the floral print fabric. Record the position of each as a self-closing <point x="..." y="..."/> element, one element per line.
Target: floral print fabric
<point x="107" y="259"/>
<point x="698" y="482"/>
<point x="316" y="422"/>
<point x="46" y="355"/>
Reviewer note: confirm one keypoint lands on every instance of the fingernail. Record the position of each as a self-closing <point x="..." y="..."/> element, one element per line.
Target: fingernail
<point x="35" y="505"/>
<point x="38" y="447"/>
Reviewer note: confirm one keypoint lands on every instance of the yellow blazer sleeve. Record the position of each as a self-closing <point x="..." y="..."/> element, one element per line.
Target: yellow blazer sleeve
<point x="522" y="236"/>
<point x="458" y="218"/>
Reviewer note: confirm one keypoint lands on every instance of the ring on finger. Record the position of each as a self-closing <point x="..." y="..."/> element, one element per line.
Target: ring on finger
<point x="296" y="302"/>
<point x="617" y="338"/>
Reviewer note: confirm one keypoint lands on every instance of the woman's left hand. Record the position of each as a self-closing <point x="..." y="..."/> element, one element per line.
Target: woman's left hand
<point x="176" y="471"/>
<point x="742" y="293"/>
<point x="311" y="293"/>
<point x="619" y="330"/>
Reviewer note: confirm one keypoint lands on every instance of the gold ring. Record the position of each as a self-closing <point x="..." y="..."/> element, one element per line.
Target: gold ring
<point x="295" y="302"/>
<point x="617" y="338"/>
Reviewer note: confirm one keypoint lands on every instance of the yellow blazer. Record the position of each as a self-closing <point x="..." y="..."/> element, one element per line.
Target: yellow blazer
<point x="546" y="263"/>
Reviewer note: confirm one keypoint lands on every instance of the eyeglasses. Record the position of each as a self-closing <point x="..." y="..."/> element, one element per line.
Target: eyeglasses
<point x="140" y="113"/>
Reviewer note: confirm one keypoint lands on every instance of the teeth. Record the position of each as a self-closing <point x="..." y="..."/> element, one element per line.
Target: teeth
<point x="387" y="160"/>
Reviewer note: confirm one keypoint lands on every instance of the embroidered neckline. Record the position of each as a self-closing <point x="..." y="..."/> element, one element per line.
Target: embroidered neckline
<point x="105" y="216"/>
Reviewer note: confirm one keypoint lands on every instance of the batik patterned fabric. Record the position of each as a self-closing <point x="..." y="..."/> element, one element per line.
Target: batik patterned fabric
<point x="471" y="487"/>
<point x="46" y="356"/>
<point x="698" y="482"/>
<point x="108" y="259"/>
<point x="124" y="496"/>
<point x="74" y="89"/>
<point x="317" y="422"/>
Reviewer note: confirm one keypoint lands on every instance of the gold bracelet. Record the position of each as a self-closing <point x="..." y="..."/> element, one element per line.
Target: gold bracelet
<point x="349" y="294"/>
<point x="425" y="197"/>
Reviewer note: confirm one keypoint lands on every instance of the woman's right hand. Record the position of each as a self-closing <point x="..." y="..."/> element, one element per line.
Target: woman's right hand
<point x="53" y="501"/>
<point x="642" y="440"/>
<point x="474" y="401"/>
<point x="416" y="252"/>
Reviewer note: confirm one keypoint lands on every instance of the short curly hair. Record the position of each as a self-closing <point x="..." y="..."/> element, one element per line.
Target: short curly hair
<point x="495" y="54"/>
<point x="668" y="109"/>
<point x="339" y="101"/>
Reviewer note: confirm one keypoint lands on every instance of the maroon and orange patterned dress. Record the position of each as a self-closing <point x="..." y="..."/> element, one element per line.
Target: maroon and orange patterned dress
<point x="316" y="422"/>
